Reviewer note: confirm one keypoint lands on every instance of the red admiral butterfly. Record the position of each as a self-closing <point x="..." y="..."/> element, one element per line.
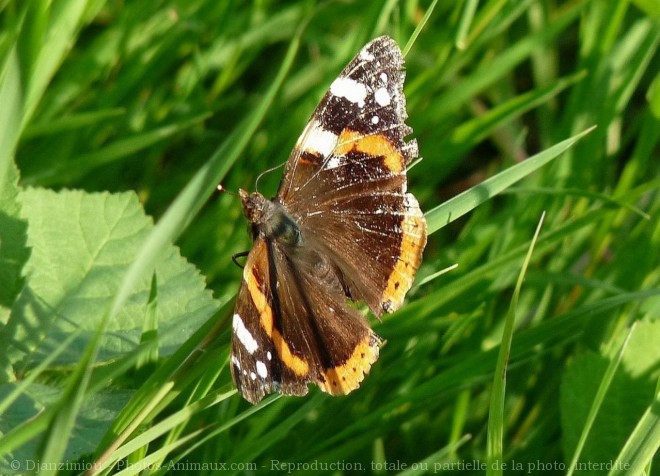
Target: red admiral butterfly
<point x="341" y="227"/>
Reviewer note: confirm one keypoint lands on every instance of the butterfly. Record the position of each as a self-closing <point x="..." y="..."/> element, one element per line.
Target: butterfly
<point x="341" y="228"/>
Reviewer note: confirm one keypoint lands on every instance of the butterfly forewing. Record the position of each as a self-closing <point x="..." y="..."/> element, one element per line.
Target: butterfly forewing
<point x="346" y="179"/>
<point x="365" y="100"/>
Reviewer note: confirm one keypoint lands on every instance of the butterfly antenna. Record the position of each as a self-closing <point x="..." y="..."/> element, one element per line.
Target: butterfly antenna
<point x="221" y="188"/>
<point x="242" y="254"/>
<point x="272" y="169"/>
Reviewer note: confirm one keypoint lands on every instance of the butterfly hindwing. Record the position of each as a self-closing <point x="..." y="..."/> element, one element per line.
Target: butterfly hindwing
<point x="287" y="332"/>
<point x="255" y="365"/>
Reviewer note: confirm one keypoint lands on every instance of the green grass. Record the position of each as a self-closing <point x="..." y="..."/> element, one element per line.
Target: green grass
<point x="543" y="358"/>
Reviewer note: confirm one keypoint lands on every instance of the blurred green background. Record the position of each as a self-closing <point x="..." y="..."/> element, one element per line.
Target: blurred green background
<point x="127" y="96"/>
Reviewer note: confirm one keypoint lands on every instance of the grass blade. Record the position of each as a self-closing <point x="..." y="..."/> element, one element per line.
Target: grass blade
<point x="494" y="455"/>
<point x="600" y="396"/>
<point x="458" y="206"/>
<point x="642" y="445"/>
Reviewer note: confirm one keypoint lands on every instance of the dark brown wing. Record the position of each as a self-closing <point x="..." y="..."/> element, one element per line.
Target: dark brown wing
<point x="292" y="327"/>
<point x="345" y="183"/>
<point x="366" y="99"/>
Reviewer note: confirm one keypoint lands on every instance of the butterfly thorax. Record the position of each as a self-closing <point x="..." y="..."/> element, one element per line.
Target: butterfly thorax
<point x="269" y="218"/>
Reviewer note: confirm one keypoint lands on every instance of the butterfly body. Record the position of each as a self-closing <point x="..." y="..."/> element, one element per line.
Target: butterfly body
<point x="341" y="227"/>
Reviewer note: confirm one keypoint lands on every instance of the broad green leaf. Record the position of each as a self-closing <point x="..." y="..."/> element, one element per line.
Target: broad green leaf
<point x="598" y="400"/>
<point x="13" y="250"/>
<point x="631" y="391"/>
<point x="95" y="417"/>
<point x="642" y="446"/>
<point x="82" y="244"/>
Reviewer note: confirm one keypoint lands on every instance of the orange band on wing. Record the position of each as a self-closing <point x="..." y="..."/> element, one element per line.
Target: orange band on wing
<point x="347" y="377"/>
<point x="299" y="366"/>
<point x="376" y="145"/>
<point x="410" y="255"/>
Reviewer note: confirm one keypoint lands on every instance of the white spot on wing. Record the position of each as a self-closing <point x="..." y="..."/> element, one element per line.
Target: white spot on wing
<point x="375" y="120"/>
<point x="350" y="89"/>
<point x="383" y="77"/>
<point x="244" y="335"/>
<point x="269" y="356"/>
<point x="236" y="362"/>
<point x="317" y="139"/>
<point x="366" y="56"/>
<point x="261" y="369"/>
<point x="253" y="376"/>
<point x="334" y="162"/>
<point x="382" y="97"/>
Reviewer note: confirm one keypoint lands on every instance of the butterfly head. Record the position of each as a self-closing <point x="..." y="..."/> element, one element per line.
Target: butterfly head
<point x="269" y="219"/>
<point x="254" y="205"/>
